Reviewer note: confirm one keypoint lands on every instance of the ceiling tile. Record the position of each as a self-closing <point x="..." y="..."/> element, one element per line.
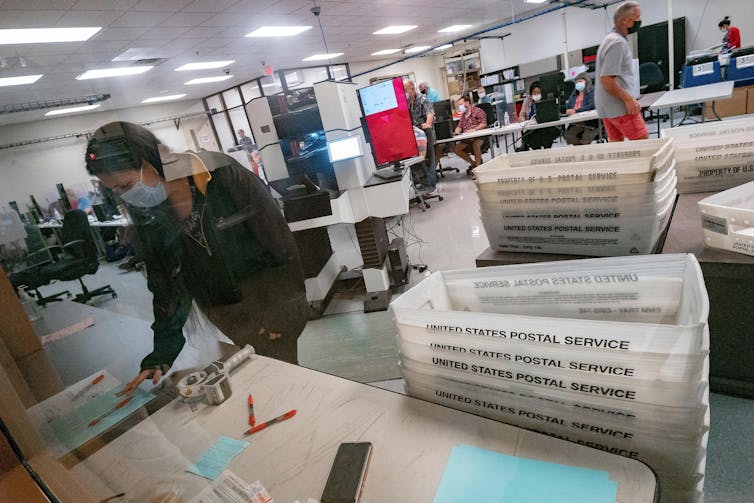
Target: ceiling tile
<point x="105" y="4"/>
<point x="187" y="19"/>
<point x="140" y="18"/>
<point x="120" y="33"/>
<point x="209" y="6"/>
<point x="38" y="4"/>
<point x="162" y="5"/>
<point x="88" y="18"/>
<point x="164" y="33"/>
<point x="30" y="18"/>
<point x="202" y="32"/>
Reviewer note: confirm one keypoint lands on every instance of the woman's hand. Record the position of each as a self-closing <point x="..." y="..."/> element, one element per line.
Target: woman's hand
<point x="155" y="374"/>
<point x="570" y="111"/>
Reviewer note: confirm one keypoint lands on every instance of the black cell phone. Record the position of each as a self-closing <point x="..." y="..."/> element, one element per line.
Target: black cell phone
<point x="347" y="474"/>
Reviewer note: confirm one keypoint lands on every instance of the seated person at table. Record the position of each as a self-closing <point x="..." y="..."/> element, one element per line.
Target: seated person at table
<point x="581" y="100"/>
<point x="472" y="119"/>
<point x="536" y="138"/>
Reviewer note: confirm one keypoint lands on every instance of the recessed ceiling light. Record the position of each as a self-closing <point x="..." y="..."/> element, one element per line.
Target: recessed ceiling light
<point x="417" y="48"/>
<point x="164" y="98"/>
<point x="113" y="72"/>
<point x="443" y="47"/>
<point x="385" y="52"/>
<point x="535" y="1"/>
<point x="456" y="27"/>
<point x="320" y="57"/>
<point x="46" y="35"/>
<point x="278" y="31"/>
<point x="207" y="80"/>
<point x="19" y="81"/>
<point x="207" y="65"/>
<point x="71" y="110"/>
<point x="394" y="30"/>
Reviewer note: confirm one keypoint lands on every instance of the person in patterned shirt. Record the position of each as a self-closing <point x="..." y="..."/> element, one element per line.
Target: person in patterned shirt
<point x="472" y="119"/>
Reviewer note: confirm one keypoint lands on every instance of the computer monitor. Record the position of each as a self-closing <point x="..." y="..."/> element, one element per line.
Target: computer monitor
<point x="344" y="148"/>
<point x="388" y="121"/>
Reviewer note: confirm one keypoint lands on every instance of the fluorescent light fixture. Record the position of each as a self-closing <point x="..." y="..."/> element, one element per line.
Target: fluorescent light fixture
<point x="395" y="30"/>
<point x="19" y="81"/>
<point x="164" y="98"/>
<point x="385" y="52"/>
<point x="113" y="72"/>
<point x="344" y="148"/>
<point x="321" y="57"/>
<point x="207" y="65"/>
<point x="457" y="27"/>
<point x="71" y="110"/>
<point x="417" y="48"/>
<point x="278" y="31"/>
<point x="443" y="47"/>
<point x="46" y="35"/>
<point x="535" y="1"/>
<point x="207" y="80"/>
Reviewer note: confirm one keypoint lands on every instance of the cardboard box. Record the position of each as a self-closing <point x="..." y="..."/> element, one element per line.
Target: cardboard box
<point x="735" y="105"/>
<point x="750" y="101"/>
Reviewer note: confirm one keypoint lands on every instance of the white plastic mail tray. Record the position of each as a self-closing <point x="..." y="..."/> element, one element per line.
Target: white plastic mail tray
<point x="728" y="219"/>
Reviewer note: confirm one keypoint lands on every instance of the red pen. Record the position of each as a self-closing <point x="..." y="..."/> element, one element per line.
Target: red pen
<point x="252" y="419"/>
<point x="89" y="386"/>
<point x="120" y="405"/>
<point x="272" y="421"/>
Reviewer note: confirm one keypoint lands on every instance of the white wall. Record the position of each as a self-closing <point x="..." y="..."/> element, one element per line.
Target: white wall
<point x="427" y="68"/>
<point x="542" y="37"/>
<point x="35" y="169"/>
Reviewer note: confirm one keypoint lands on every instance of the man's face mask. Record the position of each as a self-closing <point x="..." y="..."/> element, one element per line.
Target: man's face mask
<point x="144" y="196"/>
<point x="462" y="108"/>
<point x="635" y="27"/>
<point x="423" y="91"/>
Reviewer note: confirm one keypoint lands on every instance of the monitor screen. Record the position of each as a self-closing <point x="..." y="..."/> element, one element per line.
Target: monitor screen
<point x="388" y="121"/>
<point x="344" y="148"/>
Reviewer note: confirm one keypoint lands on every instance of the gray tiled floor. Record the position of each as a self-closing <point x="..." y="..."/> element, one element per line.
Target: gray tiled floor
<point x="447" y="236"/>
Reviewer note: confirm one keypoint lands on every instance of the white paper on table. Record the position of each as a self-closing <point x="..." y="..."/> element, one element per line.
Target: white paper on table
<point x="230" y="488"/>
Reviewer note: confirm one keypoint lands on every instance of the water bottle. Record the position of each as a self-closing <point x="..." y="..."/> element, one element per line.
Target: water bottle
<point x="30" y="306"/>
<point x="506" y="119"/>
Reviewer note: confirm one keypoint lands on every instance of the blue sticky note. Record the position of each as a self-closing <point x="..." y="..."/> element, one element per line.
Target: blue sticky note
<point x="474" y="474"/>
<point x="72" y="429"/>
<point x="216" y="458"/>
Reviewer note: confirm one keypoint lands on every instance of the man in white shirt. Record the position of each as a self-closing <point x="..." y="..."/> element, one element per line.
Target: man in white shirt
<point x="619" y="110"/>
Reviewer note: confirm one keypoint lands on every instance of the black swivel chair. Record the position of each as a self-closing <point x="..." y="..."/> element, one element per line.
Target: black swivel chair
<point x="491" y="113"/>
<point x="79" y="257"/>
<point x="651" y="80"/>
<point x="443" y="131"/>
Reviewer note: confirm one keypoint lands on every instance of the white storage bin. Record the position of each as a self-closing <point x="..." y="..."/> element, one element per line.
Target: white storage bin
<point x="651" y="420"/>
<point x="432" y="307"/>
<point x="590" y="214"/>
<point x="579" y="197"/>
<point x="708" y="132"/>
<point x="633" y="236"/>
<point x="645" y="367"/>
<point x="728" y="219"/>
<point x="654" y="149"/>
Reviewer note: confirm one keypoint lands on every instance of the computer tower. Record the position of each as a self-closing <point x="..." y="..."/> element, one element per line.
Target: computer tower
<point x="399" y="267"/>
<point x="443" y="129"/>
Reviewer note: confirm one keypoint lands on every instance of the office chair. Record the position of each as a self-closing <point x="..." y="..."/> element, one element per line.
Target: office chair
<point x="79" y="257"/>
<point x="652" y="80"/>
<point x="443" y="130"/>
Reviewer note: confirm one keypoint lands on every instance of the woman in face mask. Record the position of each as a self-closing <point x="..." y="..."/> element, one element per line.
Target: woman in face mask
<point x="731" y="35"/>
<point x="212" y="239"/>
<point x="528" y="110"/>
<point x="581" y="100"/>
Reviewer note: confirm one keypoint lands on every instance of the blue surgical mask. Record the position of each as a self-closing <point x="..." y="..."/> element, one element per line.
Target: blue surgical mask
<point x="144" y="196"/>
<point x="580" y="86"/>
<point x="462" y="108"/>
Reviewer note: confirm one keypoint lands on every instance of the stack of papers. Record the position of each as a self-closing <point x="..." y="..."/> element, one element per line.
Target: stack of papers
<point x="598" y="200"/>
<point x="728" y="219"/>
<point x="610" y="353"/>
<point x="713" y="156"/>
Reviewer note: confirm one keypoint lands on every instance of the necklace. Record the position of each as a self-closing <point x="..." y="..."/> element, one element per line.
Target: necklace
<point x="192" y="225"/>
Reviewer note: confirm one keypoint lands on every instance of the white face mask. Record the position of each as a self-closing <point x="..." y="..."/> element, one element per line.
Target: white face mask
<point x="482" y="95"/>
<point x="462" y="108"/>
<point x="580" y="86"/>
<point x="536" y="97"/>
<point x="144" y="196"/>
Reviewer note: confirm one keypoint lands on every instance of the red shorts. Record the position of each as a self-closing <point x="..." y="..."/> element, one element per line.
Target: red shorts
<point x="625" y="126"/>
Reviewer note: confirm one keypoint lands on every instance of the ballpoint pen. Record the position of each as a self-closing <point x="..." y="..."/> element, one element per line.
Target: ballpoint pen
<point x="120" y="405"/>
<point x="252" y="419"/>
<point x="89" y="386"/>
<point x="272" y="421"/>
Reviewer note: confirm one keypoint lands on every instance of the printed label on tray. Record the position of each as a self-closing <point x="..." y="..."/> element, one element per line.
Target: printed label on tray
<point x="539" y="361"/>
<point x="536" y="380"/>
<point x="726" y="171"/>
<point x="715" y="224"/>
<point x="540" y="337"/>
<point x="570" y="158"/>
<point x="744" y="61"/>
<point x="703" y="69"/>
<point x="721" y="130"/>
